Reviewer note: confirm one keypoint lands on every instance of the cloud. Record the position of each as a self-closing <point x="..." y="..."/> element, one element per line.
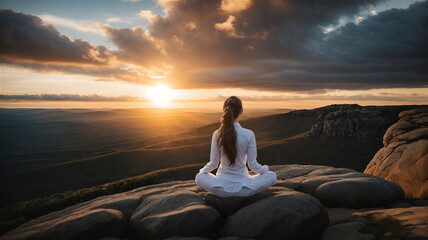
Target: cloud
<point x="83" y="26"/>
<point x="115" y="73"/>
<point x="25" y="37"/>
<point x="136" y="45"/>
<point x="392" y="36"/>
<point x="27" y="42"/>
<point x="228" y="27"/>
<point x="386" y="50"/>
<point x="382" y="96"/>
<point x="274" y="45"/>
<point x="114" y="20"/>
<point x="70" y="97"/>
<point x="278" y="45"/>
<point x="386" y="97"/>
<point x="146" y="14"/>
<point x="231" y="6"/>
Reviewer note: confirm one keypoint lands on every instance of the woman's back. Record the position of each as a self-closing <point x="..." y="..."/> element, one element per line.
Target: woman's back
<point x="233" y="146"/>
<point x="246" y="152"/>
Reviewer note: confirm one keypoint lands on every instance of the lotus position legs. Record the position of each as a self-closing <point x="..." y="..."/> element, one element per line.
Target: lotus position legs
<point x="207" y="181"/>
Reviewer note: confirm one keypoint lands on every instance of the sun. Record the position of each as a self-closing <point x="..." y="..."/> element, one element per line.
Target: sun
<point x="160" y="94"/>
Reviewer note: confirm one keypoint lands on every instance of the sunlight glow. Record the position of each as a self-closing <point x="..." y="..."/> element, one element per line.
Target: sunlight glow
<point x="160" y="94"/>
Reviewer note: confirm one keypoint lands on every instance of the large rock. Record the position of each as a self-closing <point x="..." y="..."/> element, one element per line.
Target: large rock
<point x="110" y="212"/>
<point x="181" y="209"/>
<point x="287" y="215"/>
<point x="228" y="205"/>
<point x="404" y="157"/>
<point x="367" y="192"/>
<point x="97" y="218"/>
<point x="338" y="187"/>
<point x="181" y="213"/>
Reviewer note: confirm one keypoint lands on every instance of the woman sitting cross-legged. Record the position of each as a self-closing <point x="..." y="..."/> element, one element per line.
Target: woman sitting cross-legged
<point x="234" y="146"/>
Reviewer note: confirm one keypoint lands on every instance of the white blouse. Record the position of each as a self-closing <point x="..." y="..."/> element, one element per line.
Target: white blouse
<point x="233" y="178"/>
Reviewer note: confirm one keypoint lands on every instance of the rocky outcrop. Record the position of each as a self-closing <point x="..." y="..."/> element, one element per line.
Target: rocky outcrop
<point x="295" y="208"/>
<point x="352" y="120"/>
<point x="404" y="157"/>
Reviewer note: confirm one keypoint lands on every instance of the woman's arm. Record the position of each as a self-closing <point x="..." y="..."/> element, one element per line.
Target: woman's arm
<point x="252" y="156"/>
<point x="214" y="155"/>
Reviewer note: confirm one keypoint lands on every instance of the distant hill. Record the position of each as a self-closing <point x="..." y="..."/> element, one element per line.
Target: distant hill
<point x="45" y="151"/>
<point x="87" y="148"/>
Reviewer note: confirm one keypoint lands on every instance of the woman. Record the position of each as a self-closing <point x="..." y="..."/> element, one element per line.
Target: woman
<point x="233" y="146"/>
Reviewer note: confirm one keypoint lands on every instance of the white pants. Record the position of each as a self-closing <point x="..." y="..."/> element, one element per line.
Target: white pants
<point x="206" y="180"/>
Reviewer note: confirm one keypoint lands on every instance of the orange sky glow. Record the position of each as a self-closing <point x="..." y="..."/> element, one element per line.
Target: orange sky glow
<point x="202" y="53"/>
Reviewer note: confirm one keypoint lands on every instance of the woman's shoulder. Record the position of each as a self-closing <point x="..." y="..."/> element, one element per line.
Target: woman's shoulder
<point x="247" y="131"/>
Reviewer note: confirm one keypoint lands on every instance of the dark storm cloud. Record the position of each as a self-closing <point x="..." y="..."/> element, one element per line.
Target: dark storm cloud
<point x="390" y="36"/>
<point x="281" y="45"/>
<point x="265" y="30"/>
<point x="25" y="37"/>
<point x="70" y="97"/>
<point x="388" y="50"/>
<point x="277" y="45"/>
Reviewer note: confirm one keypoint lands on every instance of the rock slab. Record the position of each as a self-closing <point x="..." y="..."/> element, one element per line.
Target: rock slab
<point x="338" y="187"/>
<point x="180" y="209"/>
<point x="181" y="213"/>
<point x="287" y="215"/>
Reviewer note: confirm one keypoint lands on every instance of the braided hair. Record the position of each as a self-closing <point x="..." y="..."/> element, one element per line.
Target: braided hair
<point x="231" y="109"/>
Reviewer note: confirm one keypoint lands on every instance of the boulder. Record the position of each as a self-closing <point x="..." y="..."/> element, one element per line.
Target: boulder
<point x="338" y="187"/>
<point x="366" y="192"/>
<point x="229" y="205"/>
<point x="177" y="213"/>
<point x="91" y="224"/>
<point x="101" y="217"/>
<point x="404" y="157"/>
<point x="87" y="225"/>
<point x="286" y="215"/>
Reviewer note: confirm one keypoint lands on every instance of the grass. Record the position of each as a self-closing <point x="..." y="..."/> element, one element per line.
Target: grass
<point x="378" y="225"/>
<point x="13" y="215"/>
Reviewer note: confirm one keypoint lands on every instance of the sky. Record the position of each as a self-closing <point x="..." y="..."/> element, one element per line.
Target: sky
<point x="271" y="53"/>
